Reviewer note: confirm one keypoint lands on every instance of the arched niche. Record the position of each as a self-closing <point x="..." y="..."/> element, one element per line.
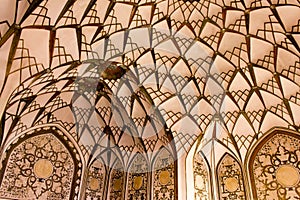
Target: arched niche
<point x="41" y="164"/>
<point x="117" y="182"/>
<point x="96" y="180"/>
<point x="274" y="166"/>
<point x="138" y="178"/>
<point x="202" y="182"/>
<point x="230" y="179"/>
<point x="163" y="176"/>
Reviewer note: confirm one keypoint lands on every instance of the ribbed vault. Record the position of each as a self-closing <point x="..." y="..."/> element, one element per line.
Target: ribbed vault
<point x="137" y="75"/>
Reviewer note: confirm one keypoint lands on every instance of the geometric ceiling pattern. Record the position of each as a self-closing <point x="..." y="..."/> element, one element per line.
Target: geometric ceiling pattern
<point x="142" y="74"/>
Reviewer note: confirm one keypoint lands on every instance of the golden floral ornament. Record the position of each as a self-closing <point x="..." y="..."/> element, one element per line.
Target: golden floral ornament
<point x="287" y="176"/>
<point x="117" y="184"/>
<point x="231" y="184"/>
<point x="43" y="168"/>
<point x="138" y="182"/>
<point x="94" y="184"/>
<point x="164" y="177"/>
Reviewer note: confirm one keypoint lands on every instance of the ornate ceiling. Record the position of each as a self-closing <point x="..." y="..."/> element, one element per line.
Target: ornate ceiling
<point x="137" y="75"/>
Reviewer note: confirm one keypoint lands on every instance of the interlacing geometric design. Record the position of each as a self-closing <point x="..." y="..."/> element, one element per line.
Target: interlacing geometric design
<point x="129" y="77"/>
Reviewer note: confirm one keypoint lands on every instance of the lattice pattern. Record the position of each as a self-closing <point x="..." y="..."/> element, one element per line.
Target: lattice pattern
<point x="190" y="61"/>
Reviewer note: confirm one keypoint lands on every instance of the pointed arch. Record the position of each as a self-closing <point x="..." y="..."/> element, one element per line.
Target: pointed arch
<point x="202" y="181"/>
<point x="274" y="168"/>
<point x="41" y="163"/>
<point x="138" y="176"/>
<point x="163" y="176"/>
<point x="96" y="180"/>
<point x="117" y="181"/>
<point x="230" y="178"/>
